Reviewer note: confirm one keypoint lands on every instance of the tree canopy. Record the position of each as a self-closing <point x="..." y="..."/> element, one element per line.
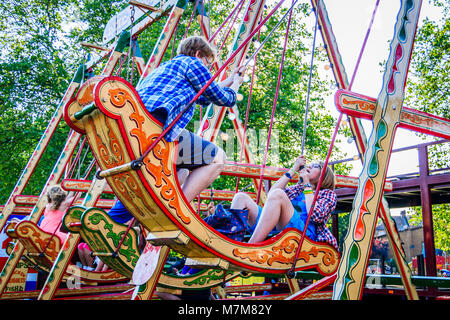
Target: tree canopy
<point x="42" y="51"/>
<point x="40" y="46"/>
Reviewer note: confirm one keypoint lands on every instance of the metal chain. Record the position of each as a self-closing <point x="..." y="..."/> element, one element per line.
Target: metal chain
<point x="131" y="41"/>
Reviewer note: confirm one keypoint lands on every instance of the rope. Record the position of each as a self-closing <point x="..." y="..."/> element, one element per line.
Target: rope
<point x="316" y="194"/>
<point x="119" y="70"/>
<point x="76" y="160"/>
<point x="133" y="60"/>
<point x="190" y="20"/>
<point x="247" y="113"/>
<point x="322" y="174"/>
<point x="174" y="40"/>
<point x="201" y="21"/>
<point x="230" y="28"/>
<point x="130" y="49"/>
<point x="309" y="85"/>
<point x="80" y="163"/>
<point x="364" y="44"/>
<point x="115" y="253"/>
<point x="225" y="21"/>
<point x="275" y="99"/>
<point x="269" y="35"/>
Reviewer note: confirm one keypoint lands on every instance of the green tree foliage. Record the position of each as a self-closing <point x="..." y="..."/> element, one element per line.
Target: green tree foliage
<point x="429" y="88"/>
<point x="441" y="224"/>
<point x="41" y="50"/>
<point x="33" y="78"/>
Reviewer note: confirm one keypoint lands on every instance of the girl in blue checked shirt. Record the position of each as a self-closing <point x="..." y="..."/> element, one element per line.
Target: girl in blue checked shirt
<point x="289" y="207"/>
<point x="169" y="89"/>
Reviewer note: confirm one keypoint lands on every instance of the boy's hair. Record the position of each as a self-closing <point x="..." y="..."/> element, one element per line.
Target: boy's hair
<point x="191" y="45"/>
<point x="56" y="196"/>
<point x="329" y="179"/>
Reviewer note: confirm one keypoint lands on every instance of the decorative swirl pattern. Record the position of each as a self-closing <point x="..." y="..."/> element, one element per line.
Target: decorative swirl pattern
<point x="359" y="104"/>
<point x="29" y="231"/>
<point x="212" y="275"/>
<point x="283" y="253"/>
<point x="161" y="172"/>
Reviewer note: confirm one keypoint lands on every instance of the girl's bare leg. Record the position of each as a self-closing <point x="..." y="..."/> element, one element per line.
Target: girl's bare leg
<point x="277" y="211"/>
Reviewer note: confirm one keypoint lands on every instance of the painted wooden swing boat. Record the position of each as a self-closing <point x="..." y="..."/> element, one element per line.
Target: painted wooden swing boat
<point x="103" y="235"/>
<point x="119" y="130"/>
<point x="42" y="249"/>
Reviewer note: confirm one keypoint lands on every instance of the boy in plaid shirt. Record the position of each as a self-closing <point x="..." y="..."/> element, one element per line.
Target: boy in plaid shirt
<point x="166" y="92"/>
<point x="169" y="89"/>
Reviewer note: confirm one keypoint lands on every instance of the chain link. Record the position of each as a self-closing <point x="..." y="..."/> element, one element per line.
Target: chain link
<point x="130" y="48"/>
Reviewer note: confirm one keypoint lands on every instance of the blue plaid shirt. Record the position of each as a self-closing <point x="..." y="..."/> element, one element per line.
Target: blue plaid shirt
<point x="174" y="84"/>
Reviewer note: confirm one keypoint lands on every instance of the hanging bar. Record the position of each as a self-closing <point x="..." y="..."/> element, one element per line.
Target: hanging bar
<point x="143" y="5"/>
<point x="95" y="46"/>
<point x="133" y="165"/>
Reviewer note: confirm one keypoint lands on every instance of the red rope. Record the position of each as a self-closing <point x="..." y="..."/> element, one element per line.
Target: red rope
<point x="201" y="21"/>
<point x="190" y="20"/>
<point x="132" y="60"/>
<point x="322" y="174"/>
<point x="76" y="159"/>
<point x="231" y="27"/>
<point x="124" y="236"/>
<point x="174" y="39"/>
<point x="225" y="21"/>
<point x="121" y="64"/>
<point x="247" y="113"/>
<point x="198" y="198"/>
<point x="274" y="105"/>
<point x="316" y="193"/>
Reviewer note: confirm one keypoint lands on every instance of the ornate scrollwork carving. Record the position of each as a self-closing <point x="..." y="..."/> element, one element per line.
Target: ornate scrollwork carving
<point x="283" y="253"/>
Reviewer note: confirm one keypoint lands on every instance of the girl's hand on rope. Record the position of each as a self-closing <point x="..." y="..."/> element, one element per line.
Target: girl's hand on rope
<point x="235" y="79"/>
<point x="300" y="162"/>
<point x="238" y="77"/>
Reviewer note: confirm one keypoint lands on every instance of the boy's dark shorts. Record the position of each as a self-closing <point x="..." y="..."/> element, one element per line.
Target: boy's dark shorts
<point x="193" y="151"/>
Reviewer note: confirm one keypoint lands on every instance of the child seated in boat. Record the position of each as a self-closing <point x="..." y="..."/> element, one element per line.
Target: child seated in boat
<point x="169" y="89"/>
<point x="166" y="92"/>
<point x="58" y="202"/>
<point x="288" y="207"/>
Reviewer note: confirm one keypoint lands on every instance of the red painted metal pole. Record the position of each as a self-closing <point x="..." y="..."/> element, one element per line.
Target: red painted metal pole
<point x="427" y="214"/>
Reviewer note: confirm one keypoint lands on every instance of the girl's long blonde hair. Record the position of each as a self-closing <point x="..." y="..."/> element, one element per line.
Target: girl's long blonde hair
<point x="329" y="178"/>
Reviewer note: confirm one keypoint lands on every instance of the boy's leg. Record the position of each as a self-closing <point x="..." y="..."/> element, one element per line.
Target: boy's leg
<point x="202" y="177"/>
